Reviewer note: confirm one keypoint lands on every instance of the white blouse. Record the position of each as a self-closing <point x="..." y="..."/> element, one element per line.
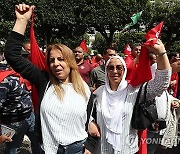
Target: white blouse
<point x="63" y="121"/>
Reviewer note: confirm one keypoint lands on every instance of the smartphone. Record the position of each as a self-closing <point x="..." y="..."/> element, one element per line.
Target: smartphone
<point x="9" y="132"/>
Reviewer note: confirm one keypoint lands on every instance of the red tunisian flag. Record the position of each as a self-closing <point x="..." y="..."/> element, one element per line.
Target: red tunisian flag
<point x="38" y="59"/>
<point x="155" y="32"/>
<point x="127" y="55"/>
<point x="129" y="62"/>
<point x="143" y="74"/>
<point x="127" y="50"/>
<point x="143" y="71"/>
<point x="83" y="45"/>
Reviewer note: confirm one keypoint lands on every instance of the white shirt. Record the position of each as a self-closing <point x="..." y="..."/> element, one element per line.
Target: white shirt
<point x="63" y="121"/>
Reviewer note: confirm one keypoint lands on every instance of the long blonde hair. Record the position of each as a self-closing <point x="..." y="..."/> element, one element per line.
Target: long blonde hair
<point x="74" y="76"/>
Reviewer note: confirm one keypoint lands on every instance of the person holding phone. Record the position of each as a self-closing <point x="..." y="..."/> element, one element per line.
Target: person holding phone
<point x="16" y="111"/>
<point x="4" y="138"/>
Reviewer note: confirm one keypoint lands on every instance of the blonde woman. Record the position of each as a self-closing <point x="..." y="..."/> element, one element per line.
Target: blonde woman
<point x="63" y="95"/>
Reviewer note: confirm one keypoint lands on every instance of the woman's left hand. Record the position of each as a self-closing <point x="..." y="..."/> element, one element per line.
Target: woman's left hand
<point x="158" y="47"/>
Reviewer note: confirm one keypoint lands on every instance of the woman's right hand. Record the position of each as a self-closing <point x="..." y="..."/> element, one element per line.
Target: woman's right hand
<point x="23" y="11"/>
<point x="4" y="138"/>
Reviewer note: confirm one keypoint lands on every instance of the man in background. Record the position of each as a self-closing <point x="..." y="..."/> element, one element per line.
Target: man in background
<point x="84" y="67"/>
<point x="97" y="77"/>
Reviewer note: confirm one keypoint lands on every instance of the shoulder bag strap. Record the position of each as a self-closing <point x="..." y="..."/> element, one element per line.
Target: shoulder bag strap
<point x="148" y="115"/>
<point x="90" y="108"/>
<point x="138" y="95"/>
<point x="167" y="103"/>
<point x="145" y="91"/>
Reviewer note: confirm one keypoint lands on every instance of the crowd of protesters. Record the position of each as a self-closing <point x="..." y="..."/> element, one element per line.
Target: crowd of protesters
<point x="66" y="90"/>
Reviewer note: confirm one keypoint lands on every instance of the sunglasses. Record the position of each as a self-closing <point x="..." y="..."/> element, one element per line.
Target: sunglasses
<point x="117" y="67"/>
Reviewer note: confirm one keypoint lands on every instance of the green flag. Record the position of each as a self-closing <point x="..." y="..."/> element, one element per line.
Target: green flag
<point x="135" y="18"/>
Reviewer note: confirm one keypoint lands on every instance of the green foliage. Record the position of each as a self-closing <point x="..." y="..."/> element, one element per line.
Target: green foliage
<point x="113" y="15"/>
<point x="6" y="26"/>
<point x="58" y="20"/>
<point x="67" y="21"/>
<point x="70" y="18"/>
<point x="175" y="47"/>
<point x="86" y="37"/>
<point x="121" y="40"/>
<point x="99" y="44"/>
<point x="128" y="38"/>
<point x="61" y="21"/>
<point x="6" y="18"/>
<point x="167" y="11"/>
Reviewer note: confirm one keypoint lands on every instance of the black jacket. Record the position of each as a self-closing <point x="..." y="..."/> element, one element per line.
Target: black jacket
<point x="28" y="71"/>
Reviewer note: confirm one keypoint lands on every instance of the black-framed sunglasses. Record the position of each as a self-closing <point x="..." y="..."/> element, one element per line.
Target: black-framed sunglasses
<point x="117" y="67"/>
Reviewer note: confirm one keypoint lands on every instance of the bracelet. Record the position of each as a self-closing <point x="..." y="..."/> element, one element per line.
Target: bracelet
<point x="161" y="54"/>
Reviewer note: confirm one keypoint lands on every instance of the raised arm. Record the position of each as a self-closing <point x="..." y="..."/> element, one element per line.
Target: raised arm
<point x="163" y="73"/>
<point x="14" y="45"/>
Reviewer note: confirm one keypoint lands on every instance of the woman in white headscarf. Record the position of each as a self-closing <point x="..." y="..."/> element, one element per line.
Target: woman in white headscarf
<point x="116" y="99"/>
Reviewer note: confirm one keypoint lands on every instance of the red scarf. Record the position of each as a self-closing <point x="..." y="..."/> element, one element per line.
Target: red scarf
<point x="6" y="73"/>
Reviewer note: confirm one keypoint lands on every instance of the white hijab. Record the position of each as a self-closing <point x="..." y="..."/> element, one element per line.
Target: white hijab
<point x="112" y="107"/>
